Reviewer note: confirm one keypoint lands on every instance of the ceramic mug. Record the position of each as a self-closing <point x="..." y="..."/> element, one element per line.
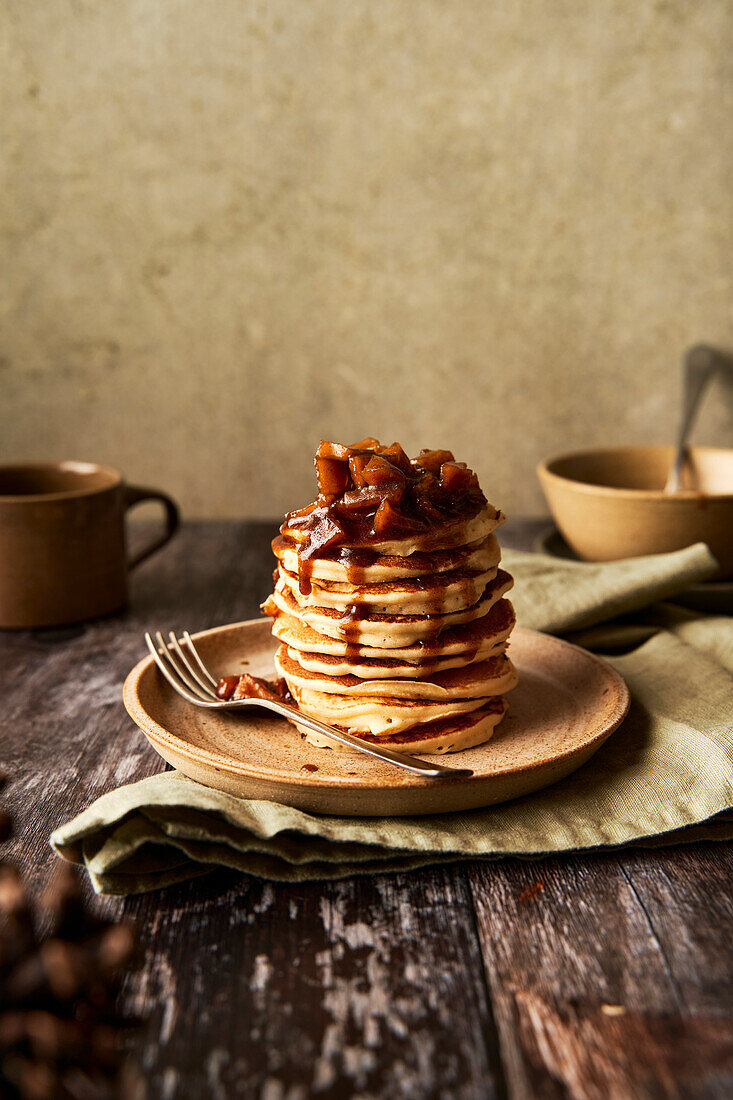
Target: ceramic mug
<point x="63" y="556"/>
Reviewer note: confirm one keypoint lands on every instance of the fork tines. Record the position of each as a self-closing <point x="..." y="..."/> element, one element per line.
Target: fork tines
<point x="184" y="670"/>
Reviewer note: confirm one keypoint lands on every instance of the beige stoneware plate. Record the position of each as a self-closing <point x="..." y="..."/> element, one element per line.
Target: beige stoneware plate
<point x="567" y="703"/>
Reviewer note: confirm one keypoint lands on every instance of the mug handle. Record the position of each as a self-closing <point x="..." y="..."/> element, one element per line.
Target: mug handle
<point x="136" y="494"/>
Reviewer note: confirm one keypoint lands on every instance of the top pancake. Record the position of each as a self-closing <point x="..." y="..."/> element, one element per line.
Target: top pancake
<point x="460" y="532"/>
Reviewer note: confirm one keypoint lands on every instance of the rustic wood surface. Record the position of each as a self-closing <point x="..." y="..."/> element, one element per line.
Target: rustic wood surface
<point x="583" y="976"/>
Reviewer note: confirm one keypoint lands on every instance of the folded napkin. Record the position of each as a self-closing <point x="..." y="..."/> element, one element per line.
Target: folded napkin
<point x="660" y="778"/>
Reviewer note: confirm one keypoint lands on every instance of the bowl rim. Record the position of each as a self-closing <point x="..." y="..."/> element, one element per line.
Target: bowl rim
<point x="544" y="470"/>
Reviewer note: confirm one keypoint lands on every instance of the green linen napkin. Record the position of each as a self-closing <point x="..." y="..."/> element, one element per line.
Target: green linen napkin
<point x="660" y="778"/>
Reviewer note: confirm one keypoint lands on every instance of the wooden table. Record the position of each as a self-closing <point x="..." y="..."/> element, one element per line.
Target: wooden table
<point x="583" y="976"/>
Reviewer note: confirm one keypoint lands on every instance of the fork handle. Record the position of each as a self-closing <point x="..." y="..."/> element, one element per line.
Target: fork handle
<point x="409" y="763"/>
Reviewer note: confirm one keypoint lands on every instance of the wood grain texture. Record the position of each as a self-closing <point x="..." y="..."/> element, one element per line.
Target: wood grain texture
<point x="610" y="974"/>
<point x="470" y="981"/>
<point x="355" y="988"/>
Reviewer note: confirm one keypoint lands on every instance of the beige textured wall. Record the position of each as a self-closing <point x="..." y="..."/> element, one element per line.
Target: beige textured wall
<point x="232" y="227"/>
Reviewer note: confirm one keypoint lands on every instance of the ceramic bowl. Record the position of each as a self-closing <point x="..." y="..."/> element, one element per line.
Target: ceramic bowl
<point x="609" y="503"/>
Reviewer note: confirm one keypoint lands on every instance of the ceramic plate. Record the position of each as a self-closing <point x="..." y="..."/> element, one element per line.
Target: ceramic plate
<point x="566" y="705"/>
<point x="714" y="597"/>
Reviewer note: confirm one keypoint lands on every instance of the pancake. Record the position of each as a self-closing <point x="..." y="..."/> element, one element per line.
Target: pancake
<point x="370" y="567"/>
<point x="446" y="735"/>
<point x="387" y="631"/>
<point x="377" y="715"/>
<point x="476" y="681"/>
<point x="459" y="532"/>
<point x="458" y="642"/>
<point x="437" y="593"/>
<point x="391" y="668"/>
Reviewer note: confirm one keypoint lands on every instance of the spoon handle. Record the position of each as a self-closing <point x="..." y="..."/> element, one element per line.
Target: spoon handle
<point x="700" y="363"/>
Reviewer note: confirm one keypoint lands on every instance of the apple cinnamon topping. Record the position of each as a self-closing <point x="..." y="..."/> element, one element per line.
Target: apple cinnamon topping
<point x="245" y="686"/>
<point x="369" y="493"/>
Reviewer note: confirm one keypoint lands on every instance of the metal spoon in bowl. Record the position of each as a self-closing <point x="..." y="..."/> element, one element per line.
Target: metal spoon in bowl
<point x="700" y="363"/>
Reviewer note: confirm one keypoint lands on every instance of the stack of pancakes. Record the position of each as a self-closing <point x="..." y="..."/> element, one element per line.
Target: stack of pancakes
<point x="400" y="641"/>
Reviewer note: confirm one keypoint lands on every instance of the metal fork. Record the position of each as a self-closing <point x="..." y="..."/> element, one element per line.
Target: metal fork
<point x="188" y="675"/>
